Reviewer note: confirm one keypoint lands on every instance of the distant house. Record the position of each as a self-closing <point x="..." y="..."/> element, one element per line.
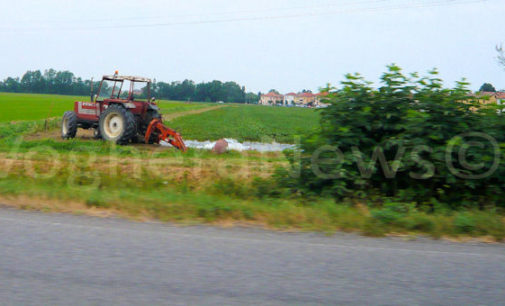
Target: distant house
<point x="289" y="98"/>
<point x="500" y="98"/>
<point x="271" y="98"/>
<point x="489" y="97"/>
<point x="486" y="97"/>
<point x="305" y="98"/>
<point x="320" y="99"/>
<point x="300" y="99"/>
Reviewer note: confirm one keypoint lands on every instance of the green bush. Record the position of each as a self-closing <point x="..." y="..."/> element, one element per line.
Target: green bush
<point x="404" y="140"/>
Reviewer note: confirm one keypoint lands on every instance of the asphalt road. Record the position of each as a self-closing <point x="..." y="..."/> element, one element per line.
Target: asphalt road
<point x="54" y="259"/>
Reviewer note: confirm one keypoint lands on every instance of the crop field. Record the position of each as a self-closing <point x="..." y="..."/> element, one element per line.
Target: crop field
<point x="248" y="123"/>
<point x="170" y="107"/>
<point x="26" y="107"/>
<point x="242" y="122"/>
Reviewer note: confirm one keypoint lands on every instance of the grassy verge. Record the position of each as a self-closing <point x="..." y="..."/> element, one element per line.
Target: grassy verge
<point x="148" y="182"/>
<point x="166" y="203"/>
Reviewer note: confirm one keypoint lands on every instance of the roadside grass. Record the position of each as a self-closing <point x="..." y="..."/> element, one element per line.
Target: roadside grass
<point x="149" y="182"/>
<point x="213" y="190"/>
<point x="248" y="123"/>
<point x="169" y="204"/>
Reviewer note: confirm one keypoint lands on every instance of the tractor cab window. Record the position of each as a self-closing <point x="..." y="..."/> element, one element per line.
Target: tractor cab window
<point x="139" y="91"/>
<point x="110" y="90"/>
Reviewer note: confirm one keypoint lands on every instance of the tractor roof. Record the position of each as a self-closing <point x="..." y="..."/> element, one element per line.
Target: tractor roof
<point x="125" y="77"/>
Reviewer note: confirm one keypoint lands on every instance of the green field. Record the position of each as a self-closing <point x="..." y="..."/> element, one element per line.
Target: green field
<point x="23" y="107"/>
<point x="26" y="107"/>
<point x="248" y="123"/>
<point x="170" y="107"/>
<point x="242" y="122"/>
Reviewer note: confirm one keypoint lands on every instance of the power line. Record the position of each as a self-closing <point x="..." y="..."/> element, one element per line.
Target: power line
<point x="273" y="17"/>
<point x="258" y="18"/>
<point x="344" y="4"/>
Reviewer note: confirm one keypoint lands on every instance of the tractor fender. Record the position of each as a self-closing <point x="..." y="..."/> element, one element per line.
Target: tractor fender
<point x="128" y="105"/>
<point x="113" y="104"/>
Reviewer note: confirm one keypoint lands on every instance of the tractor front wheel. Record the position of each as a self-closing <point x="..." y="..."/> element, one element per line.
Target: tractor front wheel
<point x="117" y="125"/>
<point x="69" y="125"/>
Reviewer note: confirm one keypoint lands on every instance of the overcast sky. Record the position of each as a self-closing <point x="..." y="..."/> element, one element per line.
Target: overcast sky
<point x="262" y="44"/>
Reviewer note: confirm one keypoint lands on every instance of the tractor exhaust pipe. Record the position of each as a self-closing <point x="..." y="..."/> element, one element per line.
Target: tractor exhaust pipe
<point x="91" y="91"/>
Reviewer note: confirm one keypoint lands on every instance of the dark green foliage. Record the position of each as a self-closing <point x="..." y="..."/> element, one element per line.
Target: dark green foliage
<point x="404" y="140"/>
<point x="51" y="82"/>
<point x="207" y="92"/>
<point x="66" y="83"/>
<point x="487" y="87"/>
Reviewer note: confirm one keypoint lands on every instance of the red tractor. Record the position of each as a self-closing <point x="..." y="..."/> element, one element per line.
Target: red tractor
<point x="121" y="112"/>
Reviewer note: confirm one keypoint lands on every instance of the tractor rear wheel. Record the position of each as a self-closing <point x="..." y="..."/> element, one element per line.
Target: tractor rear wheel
<point x="69" y="125"/>
<point x="117" y="125"/>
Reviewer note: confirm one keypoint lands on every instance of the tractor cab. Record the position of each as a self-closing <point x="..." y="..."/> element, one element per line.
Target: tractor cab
<point x="124" y="89"/>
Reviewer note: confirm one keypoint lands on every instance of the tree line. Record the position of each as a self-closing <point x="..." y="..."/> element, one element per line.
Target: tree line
<point x="66" y="83"/>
